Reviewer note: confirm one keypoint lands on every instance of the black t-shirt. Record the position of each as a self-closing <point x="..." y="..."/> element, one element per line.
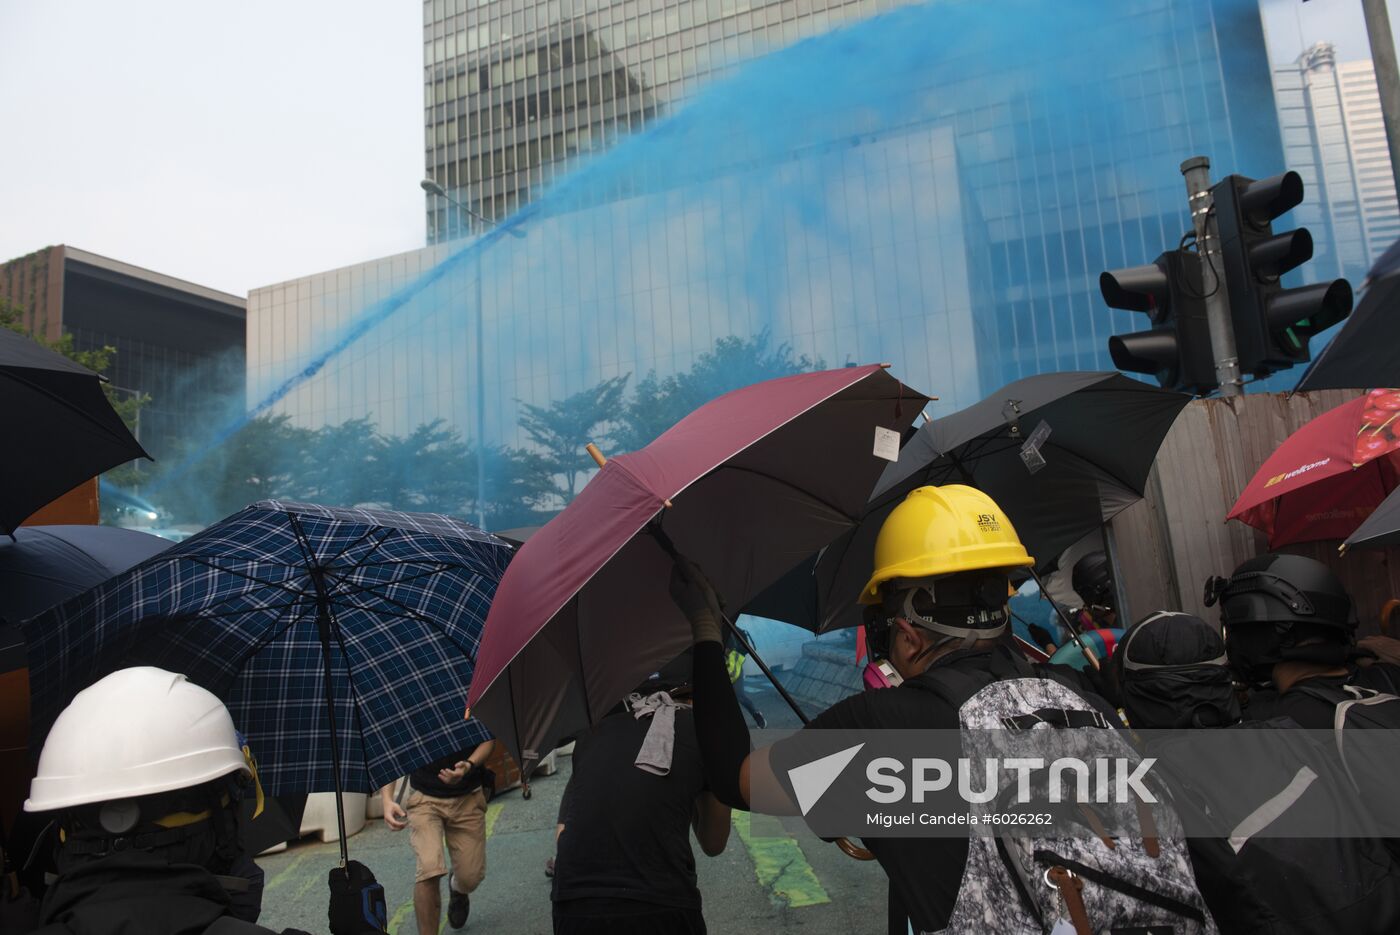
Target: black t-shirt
<point x="924" y="873"/>
<point x="1317" y="713"/>
<point x="626" y="831"/>
<point x="425" y="778"/>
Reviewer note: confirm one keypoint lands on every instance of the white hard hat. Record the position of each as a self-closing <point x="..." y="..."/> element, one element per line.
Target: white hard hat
<point x="136" y="732"/>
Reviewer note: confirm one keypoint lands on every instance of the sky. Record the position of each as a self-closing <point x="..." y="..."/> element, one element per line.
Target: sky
<point x="239" y="145"/>
<point x="230" y="144"/>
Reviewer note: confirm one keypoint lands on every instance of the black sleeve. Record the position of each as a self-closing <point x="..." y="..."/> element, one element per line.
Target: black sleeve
<point x="719" y="725"/>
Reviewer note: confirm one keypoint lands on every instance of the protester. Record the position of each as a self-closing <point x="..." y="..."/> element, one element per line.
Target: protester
<point x="144" y="773"/>
<point x="1173" y="674"/>
<point x="446" y="802"/>
<point x="624" y="863"/>
<point x="1290" y="632"/>
<point x="734" y="658"/>
<point x="1092" y="580"/>
<point x="941" y="579"/>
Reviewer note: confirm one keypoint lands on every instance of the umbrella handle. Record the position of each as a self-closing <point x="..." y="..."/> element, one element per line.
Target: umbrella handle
<point x="852" y="849"/>
<point x="847" y="846"/>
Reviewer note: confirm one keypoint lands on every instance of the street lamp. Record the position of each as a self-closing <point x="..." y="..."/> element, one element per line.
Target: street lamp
<point x="433" y="188"/>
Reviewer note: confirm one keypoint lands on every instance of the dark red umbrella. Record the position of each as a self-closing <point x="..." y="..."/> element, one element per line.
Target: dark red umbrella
<point x="1329" y="475"/>
<point x="746" y="486"/>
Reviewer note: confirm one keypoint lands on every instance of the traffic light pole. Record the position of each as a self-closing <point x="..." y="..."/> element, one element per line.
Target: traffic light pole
<point x="1217" y="299"/>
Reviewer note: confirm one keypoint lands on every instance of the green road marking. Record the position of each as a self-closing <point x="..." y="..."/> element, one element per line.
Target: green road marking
<point x="778" y="862"/>
<point x="286" y="872"/>
<point x="493" y="811"/>
<point x="397" y="918"/>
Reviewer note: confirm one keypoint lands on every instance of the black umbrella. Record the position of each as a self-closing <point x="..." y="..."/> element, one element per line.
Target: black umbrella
<point x="58" y="426"/>
<point x="1362" y="353"/>
<point x="42" y="566"/>
<point x="1061" y="453"/>
<point x="1381" y="528"/>
<point x="45" y="565"/>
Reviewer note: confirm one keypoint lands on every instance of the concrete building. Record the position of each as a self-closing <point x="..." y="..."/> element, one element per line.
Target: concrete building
<point x="1375" y="181"/>
<point x="1333" y="136"/>
<point x="955" y="228"/>
<point x="179" y="343"/>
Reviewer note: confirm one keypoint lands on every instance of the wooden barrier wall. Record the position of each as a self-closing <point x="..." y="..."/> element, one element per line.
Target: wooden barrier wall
<point x="1168" y="544"/>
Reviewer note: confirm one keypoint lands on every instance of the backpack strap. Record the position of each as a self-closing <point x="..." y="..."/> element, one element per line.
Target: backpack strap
<point x="1344" y="697"/>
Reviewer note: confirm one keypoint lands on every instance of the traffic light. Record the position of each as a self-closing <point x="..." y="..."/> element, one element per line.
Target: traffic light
<point x="1272" y="324"/>
<point x="1177" y="348"/>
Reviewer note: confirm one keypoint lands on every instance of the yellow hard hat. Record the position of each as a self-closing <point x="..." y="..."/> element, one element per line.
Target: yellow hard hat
<point x="942" y="531"/>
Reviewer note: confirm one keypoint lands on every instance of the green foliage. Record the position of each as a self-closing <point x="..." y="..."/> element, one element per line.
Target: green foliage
<point x="432" y="469"/>
<point x="659" y="403"/>
<point x="563" y="429"/>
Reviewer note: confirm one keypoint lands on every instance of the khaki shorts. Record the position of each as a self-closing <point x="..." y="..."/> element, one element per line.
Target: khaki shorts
<point x="461" y="822"/>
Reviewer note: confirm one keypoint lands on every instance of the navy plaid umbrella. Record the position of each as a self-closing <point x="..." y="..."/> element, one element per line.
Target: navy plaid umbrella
<point x="288" y="611"/>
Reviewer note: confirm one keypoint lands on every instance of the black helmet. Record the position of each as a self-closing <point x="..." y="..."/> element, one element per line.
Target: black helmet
<point x="1277" y="607"/>
<point x="1172" y="672"/>
<point x="1092" y="580"/>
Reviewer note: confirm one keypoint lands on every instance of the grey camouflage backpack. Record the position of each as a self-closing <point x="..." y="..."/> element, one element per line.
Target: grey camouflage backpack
<point x="1019" y="883"/>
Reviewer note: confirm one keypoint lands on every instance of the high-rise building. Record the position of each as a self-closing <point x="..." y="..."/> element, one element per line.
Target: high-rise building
<point x="1375" y="180"/>
<point x="849" y="197"/>
<point x="1333" y="136"/>
<point x="179" y="343"/>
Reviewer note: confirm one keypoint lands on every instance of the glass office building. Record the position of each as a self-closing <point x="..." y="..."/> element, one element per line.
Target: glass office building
<point x="853" y="196"/>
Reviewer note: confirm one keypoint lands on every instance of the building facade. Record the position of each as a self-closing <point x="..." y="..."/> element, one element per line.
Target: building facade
<point x="1333" y="136"/>
<point x="178" y="343"/>
<point x="1375" y="181"/>
<point x="856" y="196"/>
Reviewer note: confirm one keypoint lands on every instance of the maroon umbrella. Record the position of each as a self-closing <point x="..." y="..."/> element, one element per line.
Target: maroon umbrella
<point x="746" y="486"/>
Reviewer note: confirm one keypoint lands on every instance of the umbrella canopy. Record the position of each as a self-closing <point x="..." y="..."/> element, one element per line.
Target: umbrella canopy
<point x="1061" y="453"/>
<point x="1329" y="475"/>
<point x="45" y="565"/>
<point x="240" y="608"/>
<point x="1362" y="352"/>
<point x="759" y="479"/>
<point x="1381" y="528"/>
<point x="58" y="424"/>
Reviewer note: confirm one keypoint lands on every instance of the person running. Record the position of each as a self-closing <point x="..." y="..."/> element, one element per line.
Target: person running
<point x="623" y="862"/>
<point x="144" y="774"/>
<point x="1173" y="675"/>
<point x="446" y="802"/>
<point x="941" y="580"/>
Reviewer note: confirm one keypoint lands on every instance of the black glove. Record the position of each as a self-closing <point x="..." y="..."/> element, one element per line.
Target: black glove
<point x="357" y="901"/>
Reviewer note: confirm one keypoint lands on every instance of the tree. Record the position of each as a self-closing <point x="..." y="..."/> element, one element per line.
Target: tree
<point x="427" y="470"/>
<point x="341" y="465"/>
<point x="261" y="460"/>
<point x="563" y="428"/>
<point x="520" y="489"/>
<point x="659" y="403"/>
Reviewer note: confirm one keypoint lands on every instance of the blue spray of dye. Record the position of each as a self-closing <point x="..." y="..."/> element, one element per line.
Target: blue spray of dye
<point x="937" y="187"/>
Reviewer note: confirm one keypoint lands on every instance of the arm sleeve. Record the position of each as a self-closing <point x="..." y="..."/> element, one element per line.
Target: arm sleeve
<point x="719" y="725"/>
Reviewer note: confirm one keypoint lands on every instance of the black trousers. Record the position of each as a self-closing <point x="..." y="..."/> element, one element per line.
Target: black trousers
<point x="624" y="917"/>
